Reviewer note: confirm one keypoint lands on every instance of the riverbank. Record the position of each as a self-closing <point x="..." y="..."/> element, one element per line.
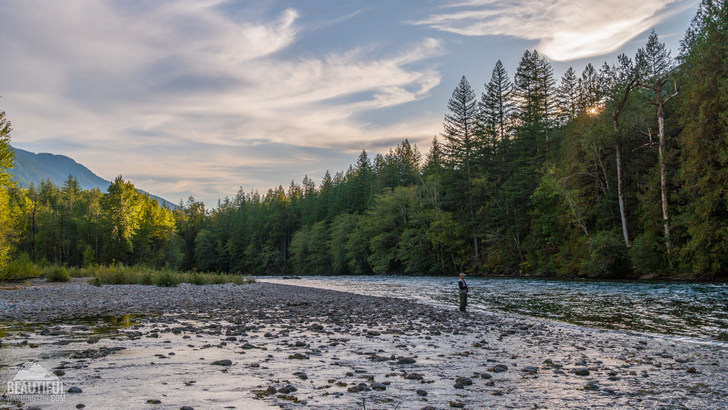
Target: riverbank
<point x="261" y="345"/>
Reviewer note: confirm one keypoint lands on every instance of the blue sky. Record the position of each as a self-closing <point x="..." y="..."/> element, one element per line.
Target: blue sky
<point x="203" y="97"/>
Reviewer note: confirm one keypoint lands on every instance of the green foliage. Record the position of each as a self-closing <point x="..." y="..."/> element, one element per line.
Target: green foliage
<point x="56" y="273"/>
<point x="6" y="161"/>
<point x="310" y="251"/>
<point x="606" y="256"/>
<point x="166" y="279"/>
<point x="525" y="181"/>
<point x="89" y="256"/>
<point x="127" y="275"/>
<point x="704" y="142"/>
<point x="20" y="267"/>
<point x="647" y="255"/>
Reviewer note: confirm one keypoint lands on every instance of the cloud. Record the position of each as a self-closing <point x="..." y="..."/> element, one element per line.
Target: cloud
<point x="565" y="29"/>
<point x="187" y="90"/>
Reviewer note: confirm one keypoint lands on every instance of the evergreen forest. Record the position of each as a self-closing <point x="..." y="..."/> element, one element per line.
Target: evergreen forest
<point x="620" y="171"/>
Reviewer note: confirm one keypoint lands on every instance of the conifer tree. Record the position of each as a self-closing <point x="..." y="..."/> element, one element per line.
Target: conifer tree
<point x="460" y="126"/>
<point x="623" y="79"/>
<point x="534" y="95"/>
<point x="657" y="69"/>
<point x="703" y="141"/>
<point x="591" y="88"/>
<point x="495" y="104"/>
<point x="567" y="96"/>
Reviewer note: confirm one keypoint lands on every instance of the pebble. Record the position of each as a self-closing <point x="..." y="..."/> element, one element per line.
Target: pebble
<point x="301" y="375"/>
<point x="282" y="315"/>
<point x="224" y="362"/>
<point x="74" y="390"/>
<point x="581" y="372"/>
<point x="499" y="368"/>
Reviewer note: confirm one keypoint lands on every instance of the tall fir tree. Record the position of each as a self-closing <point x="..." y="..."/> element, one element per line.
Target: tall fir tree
<point x="460" y="149"/>
<point x="703" y="173"/>
<point x="496" y="106"/>
<point x="657" y="71"/>
<point x="567" y="97"/>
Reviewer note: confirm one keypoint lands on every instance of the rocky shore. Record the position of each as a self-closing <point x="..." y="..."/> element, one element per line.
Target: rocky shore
<point x="269" y="345"/>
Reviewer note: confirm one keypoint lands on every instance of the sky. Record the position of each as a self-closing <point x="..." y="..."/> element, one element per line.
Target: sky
<point x="206" y="97"/>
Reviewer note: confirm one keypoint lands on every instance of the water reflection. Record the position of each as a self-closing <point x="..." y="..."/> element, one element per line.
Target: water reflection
<point x="684" y="309"/>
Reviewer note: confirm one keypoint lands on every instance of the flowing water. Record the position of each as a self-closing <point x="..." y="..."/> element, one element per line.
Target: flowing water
<point x="695" y="310"/>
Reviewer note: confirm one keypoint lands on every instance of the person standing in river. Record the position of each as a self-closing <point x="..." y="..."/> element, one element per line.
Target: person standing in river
<point x="463" y="289"/>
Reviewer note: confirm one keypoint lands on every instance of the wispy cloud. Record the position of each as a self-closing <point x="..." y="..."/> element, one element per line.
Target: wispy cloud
<point x="181" y="88"/>
<point x="565" y="29"/>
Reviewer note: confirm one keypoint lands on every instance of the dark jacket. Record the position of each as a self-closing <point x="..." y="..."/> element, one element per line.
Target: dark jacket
<point x="463" y="287"/>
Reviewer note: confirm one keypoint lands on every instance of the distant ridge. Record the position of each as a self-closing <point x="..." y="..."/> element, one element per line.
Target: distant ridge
<point x="31" y="168"/>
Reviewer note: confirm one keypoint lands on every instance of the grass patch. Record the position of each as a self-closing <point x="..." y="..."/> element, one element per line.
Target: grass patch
<point x="142" y="275"/>
<point x="23" y="268"/>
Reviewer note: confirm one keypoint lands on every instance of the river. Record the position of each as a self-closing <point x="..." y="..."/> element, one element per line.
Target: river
<point x="693" y="310"/>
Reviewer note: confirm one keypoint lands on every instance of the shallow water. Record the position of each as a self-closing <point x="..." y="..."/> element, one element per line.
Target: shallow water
<point x="681" y="309"/>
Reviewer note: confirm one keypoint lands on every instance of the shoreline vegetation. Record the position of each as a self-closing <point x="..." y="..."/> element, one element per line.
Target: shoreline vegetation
<point x="23" y="269"/>
<point x="617" y="173"/>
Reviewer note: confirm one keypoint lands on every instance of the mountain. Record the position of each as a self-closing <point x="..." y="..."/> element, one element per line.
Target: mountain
<point x="31" y="168"/>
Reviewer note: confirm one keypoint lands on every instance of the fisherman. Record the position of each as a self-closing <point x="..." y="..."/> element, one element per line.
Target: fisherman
<point x="463" y="289"/>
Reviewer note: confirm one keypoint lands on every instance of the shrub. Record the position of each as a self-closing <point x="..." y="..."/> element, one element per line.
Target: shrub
<point x="166" y="279"/>
<point x="20" y="267"/>
<point x="648" y="255"/>
<point x="56" y="273"/>
<point x="122" y="275"/>
<point x="606" y="256"/>
<point x="146" y="278"/>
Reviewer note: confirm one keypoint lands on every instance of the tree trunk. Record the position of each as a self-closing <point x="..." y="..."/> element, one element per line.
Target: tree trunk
<point x="620" y="188"/>
<point x="618" y="148"/>
<point x="663" y="183"/>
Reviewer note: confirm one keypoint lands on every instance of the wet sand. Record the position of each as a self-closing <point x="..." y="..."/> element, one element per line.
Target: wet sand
<point x="271" y="345"/>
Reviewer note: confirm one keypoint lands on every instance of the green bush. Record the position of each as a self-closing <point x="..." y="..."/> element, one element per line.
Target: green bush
<point x="166" y="279"/>
<point x="20" y="267"/>
<point x="647" y="255"/>
<point x="146" y="278"/>
<point x="124" y="275"/>
<point x="56" y="273"/>
<point x="606" y="256"/>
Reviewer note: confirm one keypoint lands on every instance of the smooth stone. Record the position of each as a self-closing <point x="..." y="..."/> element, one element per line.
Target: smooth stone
<point x="465" y="381"/>
<point x="301" y="375"/>
<point x="225" y="362"/>
<point x="421" y="392"/>
<point x="581" y="372"/>
<point x="287" y="389"/>
<point x="74" y="389"/>
<point x="499" y="368"/>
